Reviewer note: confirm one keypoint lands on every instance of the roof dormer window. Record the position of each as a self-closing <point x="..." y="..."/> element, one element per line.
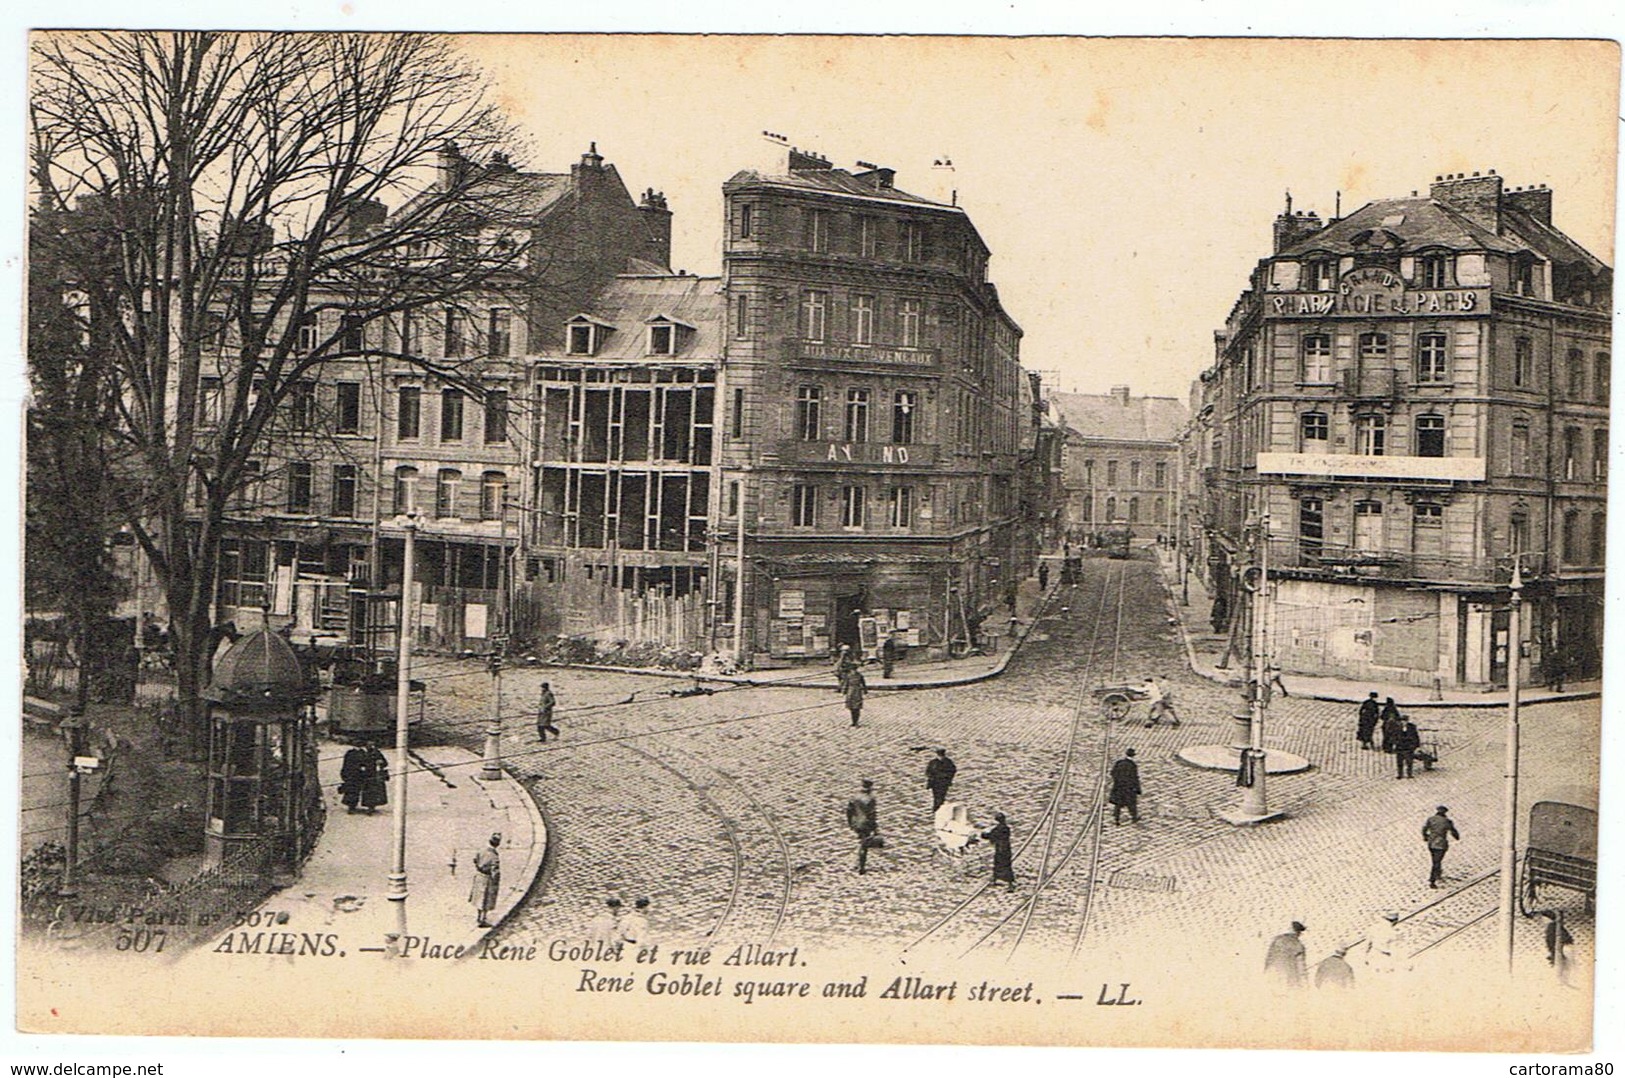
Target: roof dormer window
<point x="665" y="334"/>
<point x="662" y="339"/>
<point x="584" y="335"/>
<point x="581" y="339"/>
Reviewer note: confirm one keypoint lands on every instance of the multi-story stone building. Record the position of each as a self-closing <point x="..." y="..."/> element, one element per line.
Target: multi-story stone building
<point x="624" y="461"/>
<point x="425" y="409"/>
<point x="1415" y="395"/>
<point x="1119" y="460"/>
<point x="871" y="415"/>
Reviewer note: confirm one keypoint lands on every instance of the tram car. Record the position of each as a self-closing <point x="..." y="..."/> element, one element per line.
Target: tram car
<point x="1115" y="539"/>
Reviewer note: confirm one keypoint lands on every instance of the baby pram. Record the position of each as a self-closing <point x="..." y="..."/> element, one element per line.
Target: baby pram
<point x="954" y="830"/>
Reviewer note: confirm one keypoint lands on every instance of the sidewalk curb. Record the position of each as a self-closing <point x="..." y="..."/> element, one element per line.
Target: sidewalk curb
<point x="822" y="683"/>
<point x="1356" y="695"/>
<point x="529" y="872"/>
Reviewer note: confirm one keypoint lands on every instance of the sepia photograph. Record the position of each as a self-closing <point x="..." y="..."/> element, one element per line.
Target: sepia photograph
<point x="932" y="540"/>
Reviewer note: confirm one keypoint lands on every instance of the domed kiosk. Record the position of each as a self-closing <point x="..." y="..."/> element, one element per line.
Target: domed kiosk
<point x="265" y="801"/>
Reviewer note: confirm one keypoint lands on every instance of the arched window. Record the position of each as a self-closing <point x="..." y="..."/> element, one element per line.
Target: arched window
<point x="406" y="482"/>
<point x="1432" y="364"/>
<point x="445" y="492"/>
<point x="1430" y="435"/>
<point x="1134" y="510"/>
<point x="1111" y="509"/>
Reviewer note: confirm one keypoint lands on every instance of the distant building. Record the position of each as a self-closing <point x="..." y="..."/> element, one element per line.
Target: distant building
<point x="1119" y="461"/>
<point x="1416" y="394"/>
<point x="872" y="416"/>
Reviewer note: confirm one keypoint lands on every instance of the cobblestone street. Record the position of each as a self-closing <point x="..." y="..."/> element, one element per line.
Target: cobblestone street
<point x="726" y="810"/>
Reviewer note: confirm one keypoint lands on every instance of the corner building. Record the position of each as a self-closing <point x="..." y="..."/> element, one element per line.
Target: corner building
<point x="1417" y="394"/>
<point x="872" y="393"/>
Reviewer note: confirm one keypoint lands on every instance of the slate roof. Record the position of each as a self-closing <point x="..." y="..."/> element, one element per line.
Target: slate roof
<point x="1427" y="222"/>
<point x="630" y="301"/>
<point x="836" y="181"/>
<point x="1142" y="419"/>
<point x="1422" y="222"/>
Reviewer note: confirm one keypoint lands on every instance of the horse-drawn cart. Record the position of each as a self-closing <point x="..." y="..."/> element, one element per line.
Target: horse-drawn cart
<point x="1561" y="851"/>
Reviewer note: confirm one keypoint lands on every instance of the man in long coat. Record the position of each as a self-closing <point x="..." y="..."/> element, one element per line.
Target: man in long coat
<point x="863" y="818"/>
<point x="1125" y="791"/>
<point x="939" y="775"/>
<point x="1410" y="739"/>
<point x="855" y="688"/>
<point x="1334" y="971"/>
<point x="1285" y="960"/>
<point x="487" y="883"/>
<point x="1367" y="725"/>
<point x="1004" y="864"/>
<point x="1392" y="724"/>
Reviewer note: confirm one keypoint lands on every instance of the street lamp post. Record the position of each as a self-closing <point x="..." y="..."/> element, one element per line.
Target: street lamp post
<point x="491" y="765"/>
<point x="403" y="691"/>
<point x="1509" y="823"/>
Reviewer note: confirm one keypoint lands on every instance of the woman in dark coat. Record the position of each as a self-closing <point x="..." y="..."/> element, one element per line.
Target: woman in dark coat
<point x="352" y="776"/>
<point x="375" y="780"/>
<point x="1392" y="724"/>
<point x="1004" y="870"/>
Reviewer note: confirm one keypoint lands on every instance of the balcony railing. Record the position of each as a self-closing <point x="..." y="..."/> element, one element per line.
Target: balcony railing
<point x="1299" y="557"/>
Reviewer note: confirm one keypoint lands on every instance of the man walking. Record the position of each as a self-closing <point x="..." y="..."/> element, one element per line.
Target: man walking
<point x="1043" y="577"/>
<point x="939" y="775"/>
<point x="1367" y="727"/>
<point x="1410" y="739"/>
<point x="544" y="714"/>
<point x="1160" y="703"/>
<point x="1382" y="944"/>
<point x="845" y="665"/>
<point x="855" y="688"/>
<point x="1438" y="832"/>
<point x="1125" y="791"/>
<point x="888" y="655"/>
<point x="1285" y="962"/>
<point x="863" y="819"/>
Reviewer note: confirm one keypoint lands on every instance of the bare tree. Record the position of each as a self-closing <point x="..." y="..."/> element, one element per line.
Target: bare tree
<point x="206" y="198"/>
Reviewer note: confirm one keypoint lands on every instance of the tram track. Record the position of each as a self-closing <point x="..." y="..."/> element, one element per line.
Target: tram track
<point x="726" y="798"/>
<point x="1048" y="825"/>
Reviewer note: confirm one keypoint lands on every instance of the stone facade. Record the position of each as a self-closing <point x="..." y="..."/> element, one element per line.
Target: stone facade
<point x="1119" y="462"/>
<point x="873" y="416"/>
<point x="1414" y="395"/>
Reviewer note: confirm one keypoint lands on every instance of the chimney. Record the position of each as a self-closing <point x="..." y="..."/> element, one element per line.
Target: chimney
<point x="590" y="165"/>
<point x="1479" y="197"/>
<point x="656" y="227"/>
<point x="365" y="217"/>
<point x="879" y="178"/>
<point x="1120" y="394"/>
<point x="807" y="161"/>
<point x="1293" y="228"/>
<point x="1535" y="201"/>
<point x="453" y="165"/>
<point x="500" y="163"/>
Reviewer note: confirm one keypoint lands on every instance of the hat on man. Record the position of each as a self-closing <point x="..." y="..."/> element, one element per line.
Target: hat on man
<point x="1442" y="809"/>
<point x="1394" y="917"/>
<point x="1298" y="926"/>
